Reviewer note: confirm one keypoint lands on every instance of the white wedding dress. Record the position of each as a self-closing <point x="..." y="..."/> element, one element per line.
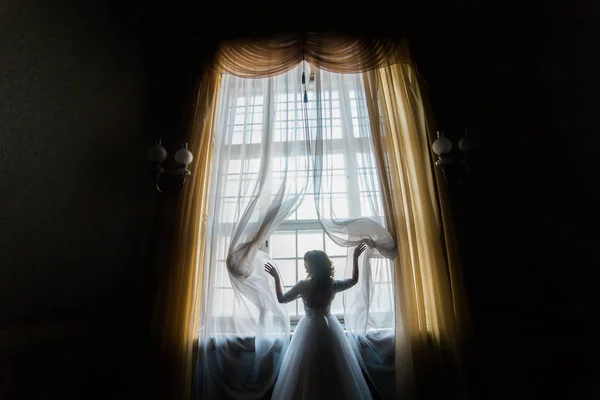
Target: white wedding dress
<point x="319" y="363"/>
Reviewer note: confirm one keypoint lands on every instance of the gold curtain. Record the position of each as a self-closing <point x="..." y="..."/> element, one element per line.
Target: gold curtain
<point x="429" y="285"/>
<point x="178" y="299"/>
<point x="430" y="289"/>
<point x="332" y="52"/>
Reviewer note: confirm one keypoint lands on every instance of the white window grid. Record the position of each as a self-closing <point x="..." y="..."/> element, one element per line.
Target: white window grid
<point x="302" y="227"/>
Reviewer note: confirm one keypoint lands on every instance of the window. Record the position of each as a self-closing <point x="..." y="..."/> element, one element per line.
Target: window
<point x="351" y="179"/>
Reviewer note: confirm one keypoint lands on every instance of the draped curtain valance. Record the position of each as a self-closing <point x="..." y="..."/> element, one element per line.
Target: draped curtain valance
<point x="331" y="52"/>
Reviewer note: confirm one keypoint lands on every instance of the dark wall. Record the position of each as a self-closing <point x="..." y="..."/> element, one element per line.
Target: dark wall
<point x="76" y="203"/>
<point x="525" y="78"/>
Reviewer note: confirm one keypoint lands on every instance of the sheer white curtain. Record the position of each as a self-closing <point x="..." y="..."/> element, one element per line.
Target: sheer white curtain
<point x="343" y="132"/>
<point x="273" y="154"/>
<point x="244" y="330"/>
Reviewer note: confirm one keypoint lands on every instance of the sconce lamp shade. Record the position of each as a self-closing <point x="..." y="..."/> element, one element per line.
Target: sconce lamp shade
<point x="442" y="145"/>
<point x="184" y="156"/>
<point x="157" y="153"/>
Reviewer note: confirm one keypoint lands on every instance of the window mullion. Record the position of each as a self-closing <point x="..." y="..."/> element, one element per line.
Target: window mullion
<point x="267" y="125"/>
<point x="350" y="165"/>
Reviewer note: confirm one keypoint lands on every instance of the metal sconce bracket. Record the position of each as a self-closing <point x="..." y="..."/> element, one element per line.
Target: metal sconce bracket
<point x="172" y="181"/>
<point x="454" y="172"/>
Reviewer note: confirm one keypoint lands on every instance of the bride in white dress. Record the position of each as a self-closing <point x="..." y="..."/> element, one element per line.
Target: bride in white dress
<point x="319" y="363"/>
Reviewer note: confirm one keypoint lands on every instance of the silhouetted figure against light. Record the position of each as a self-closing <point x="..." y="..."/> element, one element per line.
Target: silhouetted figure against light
<point x="319" y="363"/>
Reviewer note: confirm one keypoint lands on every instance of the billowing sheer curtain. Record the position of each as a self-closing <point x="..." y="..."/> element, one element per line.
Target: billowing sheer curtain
<point x="244" y="330"/>
<point x="343" y="130"/>
<point x="285" y="169"/>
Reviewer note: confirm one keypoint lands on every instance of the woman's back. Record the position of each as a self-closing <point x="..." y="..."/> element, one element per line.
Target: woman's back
<point x="319" y="362"/>
<point x="321" y="294"/>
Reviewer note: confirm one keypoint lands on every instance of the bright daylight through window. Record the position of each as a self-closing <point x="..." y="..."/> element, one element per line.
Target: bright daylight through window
<point x="351" y="178"/>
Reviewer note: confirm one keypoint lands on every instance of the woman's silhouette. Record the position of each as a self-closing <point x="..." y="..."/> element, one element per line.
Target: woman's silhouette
<point x="319" y="363"/>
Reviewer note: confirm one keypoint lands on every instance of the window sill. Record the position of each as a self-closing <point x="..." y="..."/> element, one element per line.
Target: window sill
<point x="246" y="343"/>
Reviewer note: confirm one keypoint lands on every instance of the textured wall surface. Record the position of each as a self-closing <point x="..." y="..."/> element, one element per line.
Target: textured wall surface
<point x="76" y="204"/>
<point x="75" y="201"/>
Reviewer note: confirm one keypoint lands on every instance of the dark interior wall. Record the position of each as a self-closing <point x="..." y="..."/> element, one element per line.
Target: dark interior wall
<point x="525" y="78"/>
<point x="76" y="203"/>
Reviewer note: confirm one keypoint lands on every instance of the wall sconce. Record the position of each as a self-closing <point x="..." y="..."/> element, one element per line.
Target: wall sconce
<point x="170" y="181"/>
<point x="442" y="147"/>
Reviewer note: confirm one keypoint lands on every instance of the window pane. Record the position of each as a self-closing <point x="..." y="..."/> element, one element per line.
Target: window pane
<point x="291" y="307"/>
<point x="287" y="269"/>
<point x="232" y="186"/>
<point x="300" y="306"/>
<point x="302" y="182"/>
<point x="252" y="165"/>
<point x="309" y="240"/>
<point x="291" y="134"/>
<point x="367" y="207"/>
<point x="339" y="263"/>
<point x="222" y="248"/>
<point x="228" y="211"/>
<point x="370" y="205"/>
<point x="353" y="109"/>
<point x="307" y="209"/>
<point x="367" y="181"/>
<point x="237" y="135"/>
<point x="278" y="164"/>
<point x="301" y="268"/>
<point x="366" y="160"/>
<point x="334" y="207"/>
<point x="298" y="163"/>
<point x="277" y="180"/>
<point x="255" y="136"/>
<point x="337" y="305"/>
<point x="283" y="244"/>
<point x="381" y="270"/>
<point x="239" y="118"/>
<point x="223" y="301"/>
<point x="222" y="276"/>
<point x="281" y="114"/>
<point x="382" y="297"/>
<point x="333" y="161"/>
<point x="334" y="181"/>
<point x="234" y="167"/>
<point x="333" y="249"/>
<point x="336" y="132"/>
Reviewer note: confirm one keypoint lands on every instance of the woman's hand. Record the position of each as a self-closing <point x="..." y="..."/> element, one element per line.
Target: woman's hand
<point x="271" y="270"/>
<point x="359" y="250"/>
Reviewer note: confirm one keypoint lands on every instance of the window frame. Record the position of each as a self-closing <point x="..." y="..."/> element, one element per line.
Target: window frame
<point x="337" y="146"/>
